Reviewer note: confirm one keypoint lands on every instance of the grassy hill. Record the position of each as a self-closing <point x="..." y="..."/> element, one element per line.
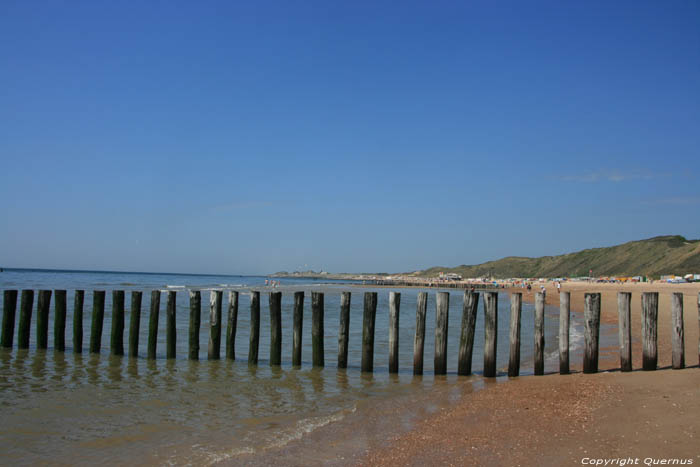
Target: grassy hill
<point x="671" y="254"/>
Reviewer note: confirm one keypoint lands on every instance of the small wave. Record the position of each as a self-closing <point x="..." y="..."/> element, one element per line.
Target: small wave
<point x="305" y="426"/>
<point x="576" y="338"/>
<point x="285" y="436"/>
<point x="576" y="342"/>
<point x="175" y="286"/>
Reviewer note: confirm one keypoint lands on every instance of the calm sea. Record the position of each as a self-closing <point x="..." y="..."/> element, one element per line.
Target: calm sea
<point x="72" y="408"/>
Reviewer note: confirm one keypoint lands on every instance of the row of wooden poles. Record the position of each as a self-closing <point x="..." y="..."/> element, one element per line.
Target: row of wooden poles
<point x="592" y="302"/>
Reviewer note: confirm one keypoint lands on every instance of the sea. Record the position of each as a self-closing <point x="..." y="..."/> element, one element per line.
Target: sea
<point x="83" y="408"/>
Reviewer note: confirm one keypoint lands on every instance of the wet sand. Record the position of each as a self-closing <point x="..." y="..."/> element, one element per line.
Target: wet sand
<point x="562" y="420"/>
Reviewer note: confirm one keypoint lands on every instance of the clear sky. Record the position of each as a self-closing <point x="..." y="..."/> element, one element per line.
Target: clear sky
<point x="253" y="137"/>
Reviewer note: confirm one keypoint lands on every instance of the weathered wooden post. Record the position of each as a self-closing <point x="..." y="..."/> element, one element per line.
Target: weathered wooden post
<point x="591" y="318"/>
<point x="215" y="305"/>
<point x="698" y="330"/>
<point x="42" y="319"/>
<point x="59" y="322"/>
<point x="153" y="324"/>
<point x="466" y="339"/>
<point x="344" y="330"/>
<point x="254" y="328"/>
<point x="231" y="325"/>
<point x="9" y="309"/>
<point x="297" y="331"/>
<point x="490" y="333"/>
<point x="78" y="300"/>
<point x="624" y="302"/>
<point x="195" y="323"/>
<point x="442" y="310"/>
<point x="116" y="342"/>
<point x="650" y="314"/>
<point x="394" y="309"/>
<point x="25" y="318"/>
<point x="516" y="307"/>
<point x="317" y="328"/>
<point x="539" y="333"/>
<point x="564" y="314"/>
<point x="170" y="325"/>
<point x="135" y="323"/>
<point x="368" y="319"/>
<point x="98" y="316"/>
<point x="275" y="328"/>
<point x="678" y="336"/>
<point x="419" y="340"/>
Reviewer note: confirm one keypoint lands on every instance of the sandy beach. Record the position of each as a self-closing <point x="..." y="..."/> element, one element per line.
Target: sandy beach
<point x="574" y="419"/>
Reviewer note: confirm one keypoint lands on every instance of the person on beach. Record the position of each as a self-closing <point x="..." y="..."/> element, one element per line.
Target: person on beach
<point x="558" y="284"/>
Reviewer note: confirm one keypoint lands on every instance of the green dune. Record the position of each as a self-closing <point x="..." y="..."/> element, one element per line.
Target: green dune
<point x="670" y="254"/>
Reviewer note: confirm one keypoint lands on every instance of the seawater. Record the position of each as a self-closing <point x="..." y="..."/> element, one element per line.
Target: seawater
<point x="87" y="408"/>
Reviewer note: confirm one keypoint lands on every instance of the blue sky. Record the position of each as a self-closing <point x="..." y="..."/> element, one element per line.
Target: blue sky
<point x="252" y="137"/>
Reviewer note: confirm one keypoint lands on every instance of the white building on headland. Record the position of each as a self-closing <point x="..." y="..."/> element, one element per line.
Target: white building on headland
<point x="450" y="276"/>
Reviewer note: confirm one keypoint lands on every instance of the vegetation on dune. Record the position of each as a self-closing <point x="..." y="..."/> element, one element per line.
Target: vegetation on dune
<point x="670" y="254"/>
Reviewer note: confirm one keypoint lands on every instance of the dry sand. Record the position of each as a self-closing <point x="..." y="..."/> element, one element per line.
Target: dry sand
<point x="566" y="420"/>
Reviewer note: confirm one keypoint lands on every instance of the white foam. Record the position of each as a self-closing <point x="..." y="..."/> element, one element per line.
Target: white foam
<point x="282" y="437"/>
<point x="305" y="426"/>
<point x="576" y="341"/>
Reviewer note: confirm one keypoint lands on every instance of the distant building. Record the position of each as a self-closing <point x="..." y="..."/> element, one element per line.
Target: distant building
<point x="450" y="276"/>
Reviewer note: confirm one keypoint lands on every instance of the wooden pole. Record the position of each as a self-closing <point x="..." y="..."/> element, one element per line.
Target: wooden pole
<point x="170" y="325"/>
<point x="419" y="340"/>
<point x="297" y="334"/>
<point x="624" y="302"/>
<point x="59" y="322"/>
<point x="344" y="330"/>
<point x="275" y="328"/>
<point x="216" y="298"/>
<point x="650" y="314"/>
<point x="78" y="301"/>
<point x="135" y="323"/>
<point x="516" y="307"/>
<point x="591" y="318"/>
<point x="539" y="333"/>
<point x="153" y="324"/>
<point x="254" y="328"/>
<point x="42" y="319"/>
<point x="117" y="340"/>
<point x="317" y="328"/>
<point x="678" y="337"/>
<point x="98" y="316"/>
<point x="442" y="313"/>
<point x="195" y="323"/>
<point x="466" y="339"/>
<point x="231" y="326"/>
<point x="490" y="333"/>
<point x="9" y="310"/>
<point x="564" y="314"/>
<point x="368" y="319"/>
<point x="25" y="318"/>
<point x="394" y="310"/>
<point x="699" y="330"/>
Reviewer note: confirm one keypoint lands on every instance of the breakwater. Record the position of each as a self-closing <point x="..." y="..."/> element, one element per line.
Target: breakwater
<point x="470" y="304"/>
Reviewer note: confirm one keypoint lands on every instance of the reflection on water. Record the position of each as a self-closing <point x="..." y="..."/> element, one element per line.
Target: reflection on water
<point x="57" y="404"/>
